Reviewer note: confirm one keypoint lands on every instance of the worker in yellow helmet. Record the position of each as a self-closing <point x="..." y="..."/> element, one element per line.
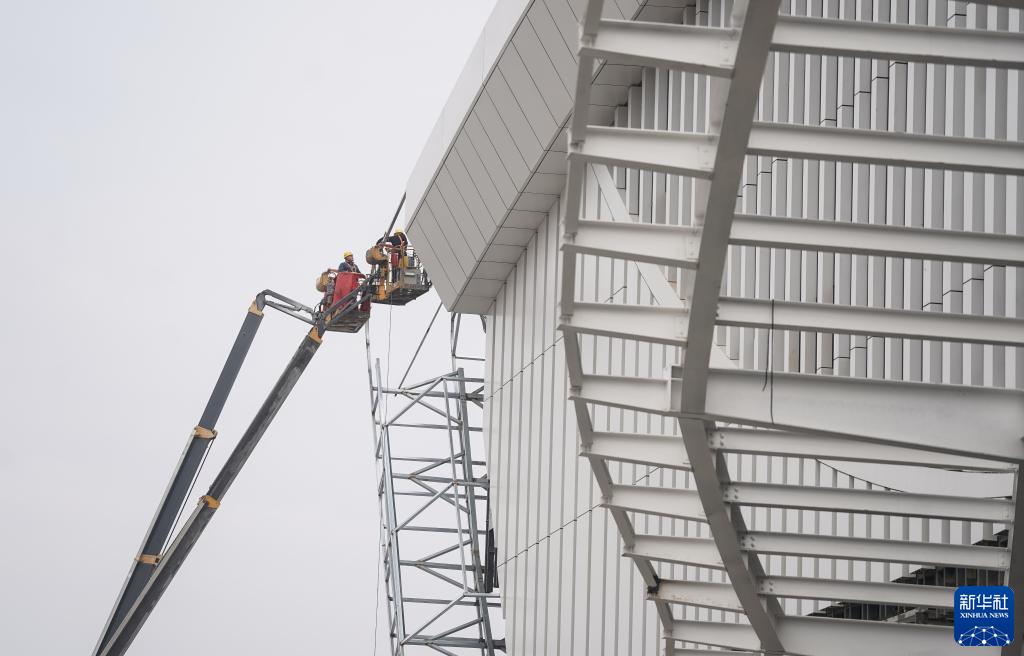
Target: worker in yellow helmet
<point x="348" y="265"/>
<point x="397" y="244"/>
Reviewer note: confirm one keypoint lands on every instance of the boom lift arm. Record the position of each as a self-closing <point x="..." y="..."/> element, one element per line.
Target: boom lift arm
<point x="152" y="570"/>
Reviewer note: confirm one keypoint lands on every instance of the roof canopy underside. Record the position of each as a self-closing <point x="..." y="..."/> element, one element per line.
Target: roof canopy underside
<point x="495" y="162"/>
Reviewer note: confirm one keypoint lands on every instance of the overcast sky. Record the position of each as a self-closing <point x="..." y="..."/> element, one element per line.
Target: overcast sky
<point x="160" y="163"/>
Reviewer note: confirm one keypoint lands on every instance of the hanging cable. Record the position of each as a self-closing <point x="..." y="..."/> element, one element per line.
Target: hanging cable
<point x="424" y="339"/>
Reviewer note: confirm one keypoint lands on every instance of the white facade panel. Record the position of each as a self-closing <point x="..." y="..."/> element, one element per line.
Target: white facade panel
<point x="511" y="114"/>
<point x="501" y="137"/>
<point x="539" y="63"/>
<point x="493" y="270"/>
<point x="424" y="238"/>
<point x="463" y="239"/>
<point x="456" y="203"/>
<point x="455" y="242"/>
<point x="466" y="156"/>
<point x="526" y="94"/>
<point x="567" y="588"/>
<point x="470" y="192"/>
<point x="492" y="162"/>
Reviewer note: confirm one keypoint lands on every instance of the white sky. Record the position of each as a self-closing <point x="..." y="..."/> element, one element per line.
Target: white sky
<point x="160" y="163"/>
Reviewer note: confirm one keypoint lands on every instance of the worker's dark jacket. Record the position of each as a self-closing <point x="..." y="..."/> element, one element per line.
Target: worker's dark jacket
<point x="345" y="267"/>
<point x="398" y="241"/>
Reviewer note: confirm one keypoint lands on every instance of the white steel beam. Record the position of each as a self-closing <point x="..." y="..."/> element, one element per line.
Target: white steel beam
<point x="897" y="594"/>
<point x="654" y="450"/>
<point x="704" y="50"/>
<point x="571" y="212"/>
<point x="887" y="148"/>
<point x="654" y="150"/>
<point x="663" y="501"/>
<point x="883" y="551"/>
<point x="881" y="502"/>
<point x="854" y="320"/>
<point x="822" y="636"/>
<point x="1014" y="577"/>
<point x="719" y="596"/>
<point x="586" y="70"/>
<point x="731" y="112"/>
<point x="681" y="651"/>
<point x="717" y="634"/>
<point x="700" y="552"/>
<point x="828" y="447"/>
<point x="870" y="239"/>
<point x="895" y="42"/>
<point x="641" y="242"/>
<point x="976" y="422"/>
<point x="631" y="393"/>
<point x="649" y="323"/>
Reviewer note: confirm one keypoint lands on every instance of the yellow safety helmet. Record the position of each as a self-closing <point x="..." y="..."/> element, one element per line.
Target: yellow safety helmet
<point x="347" y="254"/>
<point x="399" y="231"/>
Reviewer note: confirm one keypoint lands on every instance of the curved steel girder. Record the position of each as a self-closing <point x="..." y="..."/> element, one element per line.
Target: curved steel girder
<point x="735" y="109"/>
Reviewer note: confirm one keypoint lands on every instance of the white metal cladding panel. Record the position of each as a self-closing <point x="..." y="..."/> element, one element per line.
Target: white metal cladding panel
<point x="566" y="588"/>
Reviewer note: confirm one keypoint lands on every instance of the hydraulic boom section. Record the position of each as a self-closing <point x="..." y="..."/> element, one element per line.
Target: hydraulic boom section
<point x="154" y="567"/>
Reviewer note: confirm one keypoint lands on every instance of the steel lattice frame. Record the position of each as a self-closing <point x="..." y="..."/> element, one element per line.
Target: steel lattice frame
<point x="432" y="495"/>
<point x="809" y="415"/>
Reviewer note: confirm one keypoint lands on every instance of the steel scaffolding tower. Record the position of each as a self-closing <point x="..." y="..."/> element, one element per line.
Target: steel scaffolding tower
<point x="437" y="560"/>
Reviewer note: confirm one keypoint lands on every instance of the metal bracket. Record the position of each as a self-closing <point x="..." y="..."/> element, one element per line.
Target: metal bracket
<point x="203" y="433"/>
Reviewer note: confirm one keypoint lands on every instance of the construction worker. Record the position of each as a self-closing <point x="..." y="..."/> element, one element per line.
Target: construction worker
<point x="398" y="241"/>
<point x="397" y="244"/>
<point x="348" y="265"/>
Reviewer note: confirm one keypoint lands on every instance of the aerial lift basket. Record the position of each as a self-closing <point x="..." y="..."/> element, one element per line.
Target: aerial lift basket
<point x="341" y="320"/>
<point x="404" y="281"/>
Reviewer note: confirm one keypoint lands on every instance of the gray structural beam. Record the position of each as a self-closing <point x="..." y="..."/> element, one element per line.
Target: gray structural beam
<point x="199" y="441"/>
<point x="171" y="561"/>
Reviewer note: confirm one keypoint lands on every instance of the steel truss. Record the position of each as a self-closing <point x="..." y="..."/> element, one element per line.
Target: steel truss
<point x="433" y="495"/>
<point x="862" y="419"/>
